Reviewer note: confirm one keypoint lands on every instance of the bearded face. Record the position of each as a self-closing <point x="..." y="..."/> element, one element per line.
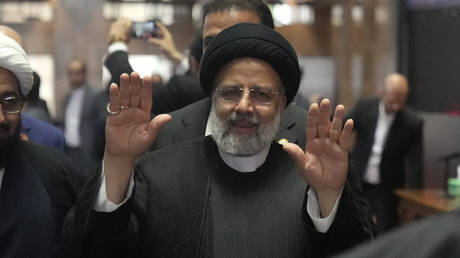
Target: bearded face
<point x="8" y="138"/>
<point x="246" y="109"/>
<point x="242" y="144"/>
<point x="10" y="122"/>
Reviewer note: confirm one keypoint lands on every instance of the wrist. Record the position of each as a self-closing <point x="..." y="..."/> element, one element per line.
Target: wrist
<point x="116" y="38"/>
<point x="117" y="170"/>
<point x="176" y="56"/>
<point x="326" y="200"/>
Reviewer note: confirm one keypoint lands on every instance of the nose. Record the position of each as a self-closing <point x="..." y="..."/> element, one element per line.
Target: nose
<point x="244" y="105"/>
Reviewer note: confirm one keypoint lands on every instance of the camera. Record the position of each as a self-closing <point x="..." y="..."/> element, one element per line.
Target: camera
<point x="144" y="30"/>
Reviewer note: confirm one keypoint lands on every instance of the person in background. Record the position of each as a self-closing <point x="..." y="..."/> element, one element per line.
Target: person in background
<point x="182" y="89"/>
<point x="35" y="106"/>
<point x="387" y="133"/>
<point x="79" y="117"/>
<point x="38" y="184"/>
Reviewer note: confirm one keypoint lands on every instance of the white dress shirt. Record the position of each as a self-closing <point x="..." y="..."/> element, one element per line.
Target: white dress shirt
<point x="384" y="122"/>
<point x="72" y="117"/>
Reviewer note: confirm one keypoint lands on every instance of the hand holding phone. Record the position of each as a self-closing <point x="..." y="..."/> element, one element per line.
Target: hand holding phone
<point x="144" y="30"/>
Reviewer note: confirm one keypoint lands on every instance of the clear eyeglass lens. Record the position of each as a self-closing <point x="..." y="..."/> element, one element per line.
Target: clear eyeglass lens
<point x="11" y="105"/>
<point x="258" y="95"/>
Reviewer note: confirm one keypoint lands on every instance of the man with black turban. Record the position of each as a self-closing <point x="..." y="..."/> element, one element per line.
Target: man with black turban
<point x="237" y="192"/>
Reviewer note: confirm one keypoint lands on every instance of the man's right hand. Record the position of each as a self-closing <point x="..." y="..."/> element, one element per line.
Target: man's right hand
<point x="129" y="131"/>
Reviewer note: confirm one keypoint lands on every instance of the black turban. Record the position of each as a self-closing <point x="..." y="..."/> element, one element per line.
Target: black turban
<point x="251" y="40"/>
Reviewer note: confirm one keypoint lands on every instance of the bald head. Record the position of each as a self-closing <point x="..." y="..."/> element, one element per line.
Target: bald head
<point x="9" y="32"/>
<point x="395" y="92"/>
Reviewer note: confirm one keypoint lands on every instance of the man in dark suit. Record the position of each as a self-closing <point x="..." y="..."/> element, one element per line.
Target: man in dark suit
<point x="387" y="133"/>
<point x="38" y="184"/>
<point x="190" y="122"/>
<point x="79" y="117"/>
<point x="41" y="132"/>
<point x="236" y="193"/>
<point x="182" y="89"/>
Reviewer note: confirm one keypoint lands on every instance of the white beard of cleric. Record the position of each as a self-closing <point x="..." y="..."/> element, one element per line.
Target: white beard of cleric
<point x="242" y="145"/>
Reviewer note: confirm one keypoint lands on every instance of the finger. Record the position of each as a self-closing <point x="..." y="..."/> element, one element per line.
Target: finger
<point x="135" y="82"/>
<point x="312" y="122"/>
<point x="324" y="118"/>
<point x="157" y="123"/>
<point x="346" y="137"/>
<point x="146" y="94"/>
<point x="114" y="97"/>
<point x="297" y="154"/>
<point x="124" y="90"/>
<point x="155" y="41"/>
<point x="163" y="30"/>
<point x="336" y="125"/>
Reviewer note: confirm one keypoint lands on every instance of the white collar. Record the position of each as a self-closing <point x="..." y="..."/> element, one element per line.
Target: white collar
<point x="383" y="114"/>
<point x="245" y="164"/>
<point x="118" y="46"/>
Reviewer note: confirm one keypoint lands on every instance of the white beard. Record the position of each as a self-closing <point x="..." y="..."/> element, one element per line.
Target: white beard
<point x="242" y="145"/>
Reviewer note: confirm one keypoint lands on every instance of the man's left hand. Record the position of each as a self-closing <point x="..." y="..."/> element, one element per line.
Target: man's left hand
<point x="324" y="164"/>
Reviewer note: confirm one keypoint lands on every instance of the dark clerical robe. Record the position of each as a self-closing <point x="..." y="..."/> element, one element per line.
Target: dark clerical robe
<point x="39" y="187"/>
<point x="188" y="203"/>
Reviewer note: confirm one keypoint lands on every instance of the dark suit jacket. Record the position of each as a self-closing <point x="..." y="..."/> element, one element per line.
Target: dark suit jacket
<point x="404" y="140"/>
<point x="180" y="91"/>
<point x="190" y="122"/>
<point x="166" y="215"/>
<point x="42" y="132"/>
<point x="87" y="125"/>
<point x="428" y="238"/>
<point x="61" y="183"/>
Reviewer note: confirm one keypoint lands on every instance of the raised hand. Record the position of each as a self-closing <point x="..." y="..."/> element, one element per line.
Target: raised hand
<point x="165" y="41"/>
<point x="128" y="132"/>
<point x="324" y="164"/>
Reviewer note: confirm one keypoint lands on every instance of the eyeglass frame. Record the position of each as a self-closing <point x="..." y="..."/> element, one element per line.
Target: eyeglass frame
<point x="251" y="91"/>
<point x="21" y="100"/>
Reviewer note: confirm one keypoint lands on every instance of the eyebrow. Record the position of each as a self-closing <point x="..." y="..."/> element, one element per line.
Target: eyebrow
<point x="9" y="94"/>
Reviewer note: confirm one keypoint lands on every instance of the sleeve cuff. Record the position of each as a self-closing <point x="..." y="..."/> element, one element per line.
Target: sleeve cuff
<point x="321" y="224"/>
<point x="103" y="204"/>
<point x="182" y="67"/>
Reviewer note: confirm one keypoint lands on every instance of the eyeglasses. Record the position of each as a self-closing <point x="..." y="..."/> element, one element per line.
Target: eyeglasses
<point x="12" y="104"/>
<point x="258" y="96"/>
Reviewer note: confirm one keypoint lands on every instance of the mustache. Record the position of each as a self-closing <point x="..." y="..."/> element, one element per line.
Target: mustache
<point x="243" y="118"/>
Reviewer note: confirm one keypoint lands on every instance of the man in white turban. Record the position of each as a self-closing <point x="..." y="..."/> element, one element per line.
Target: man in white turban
<point x="38" y="184"/>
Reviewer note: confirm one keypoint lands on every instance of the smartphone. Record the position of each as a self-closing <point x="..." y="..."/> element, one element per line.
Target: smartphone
<point x="144" y="30"/>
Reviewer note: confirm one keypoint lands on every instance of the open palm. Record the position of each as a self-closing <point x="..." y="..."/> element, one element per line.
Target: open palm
<point x="324" y="164"/>
<point x="130" y="132"/>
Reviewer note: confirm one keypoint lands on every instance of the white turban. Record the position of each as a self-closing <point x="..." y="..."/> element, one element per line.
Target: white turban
<point x="14" y="59"/>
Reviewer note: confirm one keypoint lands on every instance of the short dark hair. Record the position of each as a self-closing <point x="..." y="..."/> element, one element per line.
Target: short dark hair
<point x="258" y="6"/>
<point x="196" y="46"/>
